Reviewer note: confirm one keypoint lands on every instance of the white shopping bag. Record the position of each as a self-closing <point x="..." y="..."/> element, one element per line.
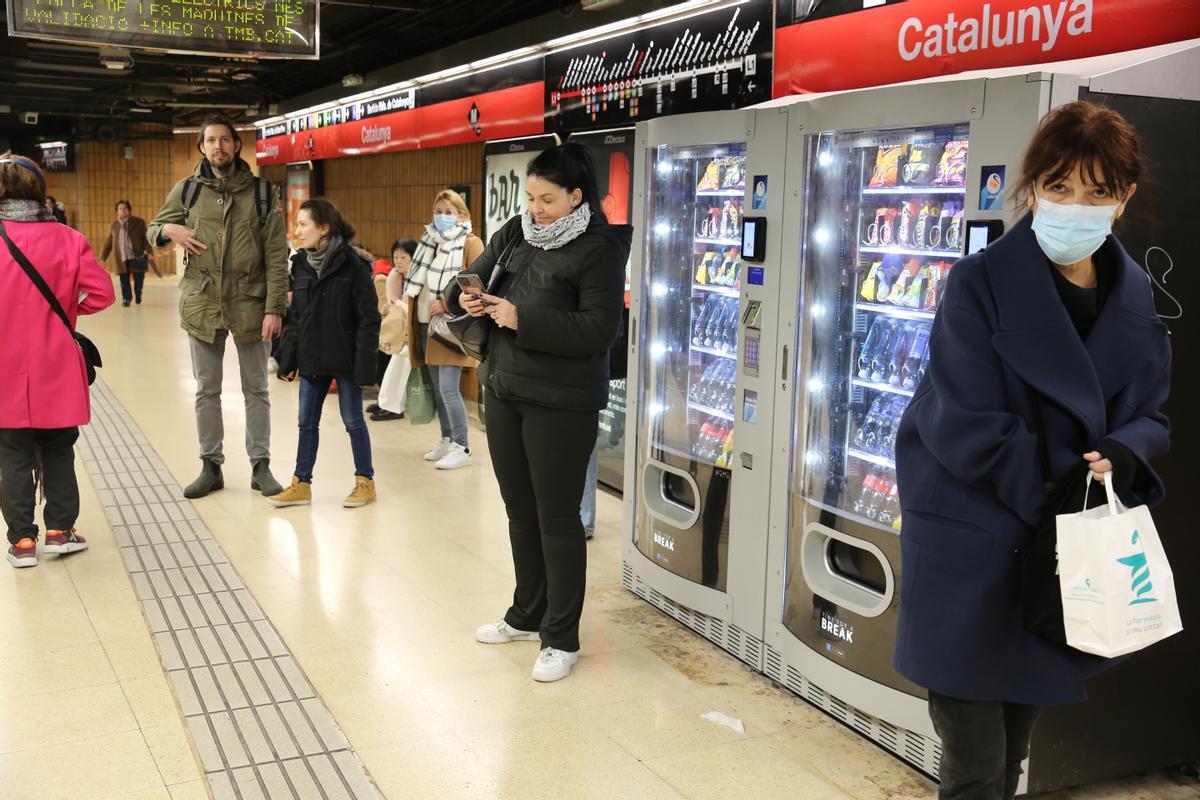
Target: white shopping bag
<point x="1118" y="592"/>
<point x="395" y="380"/>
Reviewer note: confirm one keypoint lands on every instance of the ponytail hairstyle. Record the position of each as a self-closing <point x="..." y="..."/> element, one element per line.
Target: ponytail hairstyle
<point x="570" y="166"/>
<point x="325" y="213"/>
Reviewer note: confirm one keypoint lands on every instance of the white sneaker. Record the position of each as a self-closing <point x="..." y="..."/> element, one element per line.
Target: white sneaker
<point x="272" y="365"/>
<point x="456" y="458"/>
<point x="553" y="665"/>
<point x="503" y="633"/>
<point x="440" y="452"/>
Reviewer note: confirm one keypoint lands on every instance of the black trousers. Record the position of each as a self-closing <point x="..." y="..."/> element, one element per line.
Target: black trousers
<point x="540" y="456"/>
<point x="20" y="451"/>
<point x="139" y="278"/>
<point x="983" y="746"/>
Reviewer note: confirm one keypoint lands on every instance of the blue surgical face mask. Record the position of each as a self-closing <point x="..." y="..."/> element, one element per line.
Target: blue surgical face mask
<point x="1069" y="233"/>
<point x="444" y="222"/>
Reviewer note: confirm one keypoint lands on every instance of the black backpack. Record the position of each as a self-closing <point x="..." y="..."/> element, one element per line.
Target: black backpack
<point x="264" y="197"/>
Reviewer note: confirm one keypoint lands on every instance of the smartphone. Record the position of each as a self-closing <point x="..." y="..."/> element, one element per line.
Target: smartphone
<point x="470" y="284"/>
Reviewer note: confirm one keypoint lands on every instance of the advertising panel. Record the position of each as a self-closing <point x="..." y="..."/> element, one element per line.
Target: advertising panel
<point x="504" y="166"/>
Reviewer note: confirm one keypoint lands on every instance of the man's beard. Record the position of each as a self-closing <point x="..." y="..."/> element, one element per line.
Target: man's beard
<point x="225" y="170"/>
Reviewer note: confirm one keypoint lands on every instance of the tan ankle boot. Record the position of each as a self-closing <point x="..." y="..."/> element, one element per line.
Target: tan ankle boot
<point x="364" y="492"/>
<point x="298" y="494"/>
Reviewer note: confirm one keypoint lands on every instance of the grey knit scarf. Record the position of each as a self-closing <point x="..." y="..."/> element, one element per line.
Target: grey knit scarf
<point x="557" y="233"/>
<point x="317" y="258"/>
<point x="13" y="210"/>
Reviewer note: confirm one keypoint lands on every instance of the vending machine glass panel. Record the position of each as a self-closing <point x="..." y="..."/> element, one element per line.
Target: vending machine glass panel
<point x="692" y="276"/>
<point x="885" y="226"/>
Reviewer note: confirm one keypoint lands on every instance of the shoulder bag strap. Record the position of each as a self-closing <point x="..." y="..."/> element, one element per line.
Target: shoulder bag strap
<point x="36" y="277"/>
<point x="503" y="262"/>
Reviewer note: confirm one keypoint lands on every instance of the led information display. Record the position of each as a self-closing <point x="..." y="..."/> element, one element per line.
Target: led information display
<point x="269" y="28"/>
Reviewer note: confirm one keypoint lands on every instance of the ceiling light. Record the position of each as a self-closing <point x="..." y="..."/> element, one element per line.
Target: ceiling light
<point x="242" y="75"/>
<point x="141" y="110"/>
<point x="116" y="58"/>
<point x="598" y="5"/>
<point x="48" y="145"/>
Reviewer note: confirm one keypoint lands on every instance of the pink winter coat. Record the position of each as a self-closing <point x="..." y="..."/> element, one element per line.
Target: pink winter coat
<point x="43" y="378"/>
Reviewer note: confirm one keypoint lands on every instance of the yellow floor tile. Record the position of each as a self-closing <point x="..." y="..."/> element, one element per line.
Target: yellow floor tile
<point x="68" y="715"/>
<point x="172" y="752"/>
<point x="104" y="768"/>
<point x="39" y="671"/>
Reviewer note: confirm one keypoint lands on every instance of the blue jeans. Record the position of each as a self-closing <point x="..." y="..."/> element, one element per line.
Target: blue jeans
<point x="587" y="509"/>
<point x="447" y="397"/>
<point x="312" y="396"/>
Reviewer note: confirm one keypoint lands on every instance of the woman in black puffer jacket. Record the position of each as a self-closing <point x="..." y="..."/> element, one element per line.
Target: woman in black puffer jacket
<point x="557" y="310"/>
<point x="332" y="333"/>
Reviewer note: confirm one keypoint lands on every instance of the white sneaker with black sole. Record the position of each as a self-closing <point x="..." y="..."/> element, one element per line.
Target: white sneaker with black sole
<point x="503" y="633"/>
<point x="439" y="452"/>
<point x="553" y="665"/>
<point x="456" y="459"/>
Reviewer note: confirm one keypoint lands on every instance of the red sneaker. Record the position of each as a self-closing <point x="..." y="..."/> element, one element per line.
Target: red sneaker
<point x="23" y="553"/>
<point x="64" y="542"/>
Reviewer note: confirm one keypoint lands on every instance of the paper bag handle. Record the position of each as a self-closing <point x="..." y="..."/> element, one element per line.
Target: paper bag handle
<point x="1112" y="499"/>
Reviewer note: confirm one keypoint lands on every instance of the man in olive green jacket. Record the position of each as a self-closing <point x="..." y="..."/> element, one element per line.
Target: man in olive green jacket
<point x="235" y="282"/>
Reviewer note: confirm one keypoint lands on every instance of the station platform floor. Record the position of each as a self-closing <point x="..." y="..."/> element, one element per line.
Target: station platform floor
<point x="222" y="648"/>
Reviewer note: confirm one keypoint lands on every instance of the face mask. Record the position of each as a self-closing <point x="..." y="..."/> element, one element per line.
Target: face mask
<point x="1069" y="233"/>
<point x="444" y="222"/>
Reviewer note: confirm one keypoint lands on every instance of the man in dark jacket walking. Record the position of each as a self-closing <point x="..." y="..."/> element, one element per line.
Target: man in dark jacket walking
<point x="127" y="243"/>
<point x="235" y="282"/>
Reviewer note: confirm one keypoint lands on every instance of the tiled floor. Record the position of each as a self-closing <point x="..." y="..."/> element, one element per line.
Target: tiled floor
<point x="376" y="607"/>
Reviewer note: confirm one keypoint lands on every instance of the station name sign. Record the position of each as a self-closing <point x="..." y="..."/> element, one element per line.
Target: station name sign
<point x="259" y="28"/>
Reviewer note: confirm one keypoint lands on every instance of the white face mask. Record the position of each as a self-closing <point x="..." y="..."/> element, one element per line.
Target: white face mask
<point x="1068" y="232"/>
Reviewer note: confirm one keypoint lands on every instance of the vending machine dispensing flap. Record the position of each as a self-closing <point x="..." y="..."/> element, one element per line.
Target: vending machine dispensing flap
<point x="671" y="495"/>
<point x="846" y="570"/>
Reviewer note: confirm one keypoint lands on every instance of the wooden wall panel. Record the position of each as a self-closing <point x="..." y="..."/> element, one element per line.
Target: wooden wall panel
<point x="390" y="196"/>
<point x="103" y="176"/>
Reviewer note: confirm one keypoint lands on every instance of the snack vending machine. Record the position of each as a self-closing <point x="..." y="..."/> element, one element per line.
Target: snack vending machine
<point x="884" y="205"/>
<point x="896" y="184"/>
<point x="703" y="315"/>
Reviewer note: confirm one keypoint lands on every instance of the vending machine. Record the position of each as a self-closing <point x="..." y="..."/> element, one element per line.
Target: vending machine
<point x="704" y="311"/>
<point x="613" y="155"/>
<point x="886" y="189"/>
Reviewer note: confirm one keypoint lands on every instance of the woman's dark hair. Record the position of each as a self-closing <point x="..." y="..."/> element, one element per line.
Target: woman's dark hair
<point x="125" y="203"/>
<point x="407" y="245"/>
<point x="1095" y="138"/>
<point x="325" y="213"/>
<point x="570" y="166"/>
<point x="219" y="119"/>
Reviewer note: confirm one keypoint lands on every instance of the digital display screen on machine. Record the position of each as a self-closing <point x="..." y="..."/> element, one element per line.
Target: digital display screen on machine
<point x="754" y="238"/>
<point x="981" y="233"/>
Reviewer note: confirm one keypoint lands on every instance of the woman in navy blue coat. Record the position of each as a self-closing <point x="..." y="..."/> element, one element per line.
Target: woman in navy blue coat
<point x="1047" y="360"/>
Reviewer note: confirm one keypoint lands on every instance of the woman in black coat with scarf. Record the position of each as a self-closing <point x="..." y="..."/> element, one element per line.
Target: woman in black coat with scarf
<point x="556" y="311"/>
<point x="332" y="333"/>
<point x="1047" y="360"/>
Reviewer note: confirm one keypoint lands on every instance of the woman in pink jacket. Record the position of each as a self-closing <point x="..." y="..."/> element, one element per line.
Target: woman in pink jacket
<point x="44" y="392"/>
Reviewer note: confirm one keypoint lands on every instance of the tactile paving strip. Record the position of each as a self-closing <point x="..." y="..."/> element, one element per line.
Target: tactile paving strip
<point x="260" y="730"/>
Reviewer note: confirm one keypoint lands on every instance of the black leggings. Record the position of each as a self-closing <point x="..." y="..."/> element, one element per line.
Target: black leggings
<point x="540" y="456"/>
<point x="983" y="746"/>
<point x="19" y="452"/>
